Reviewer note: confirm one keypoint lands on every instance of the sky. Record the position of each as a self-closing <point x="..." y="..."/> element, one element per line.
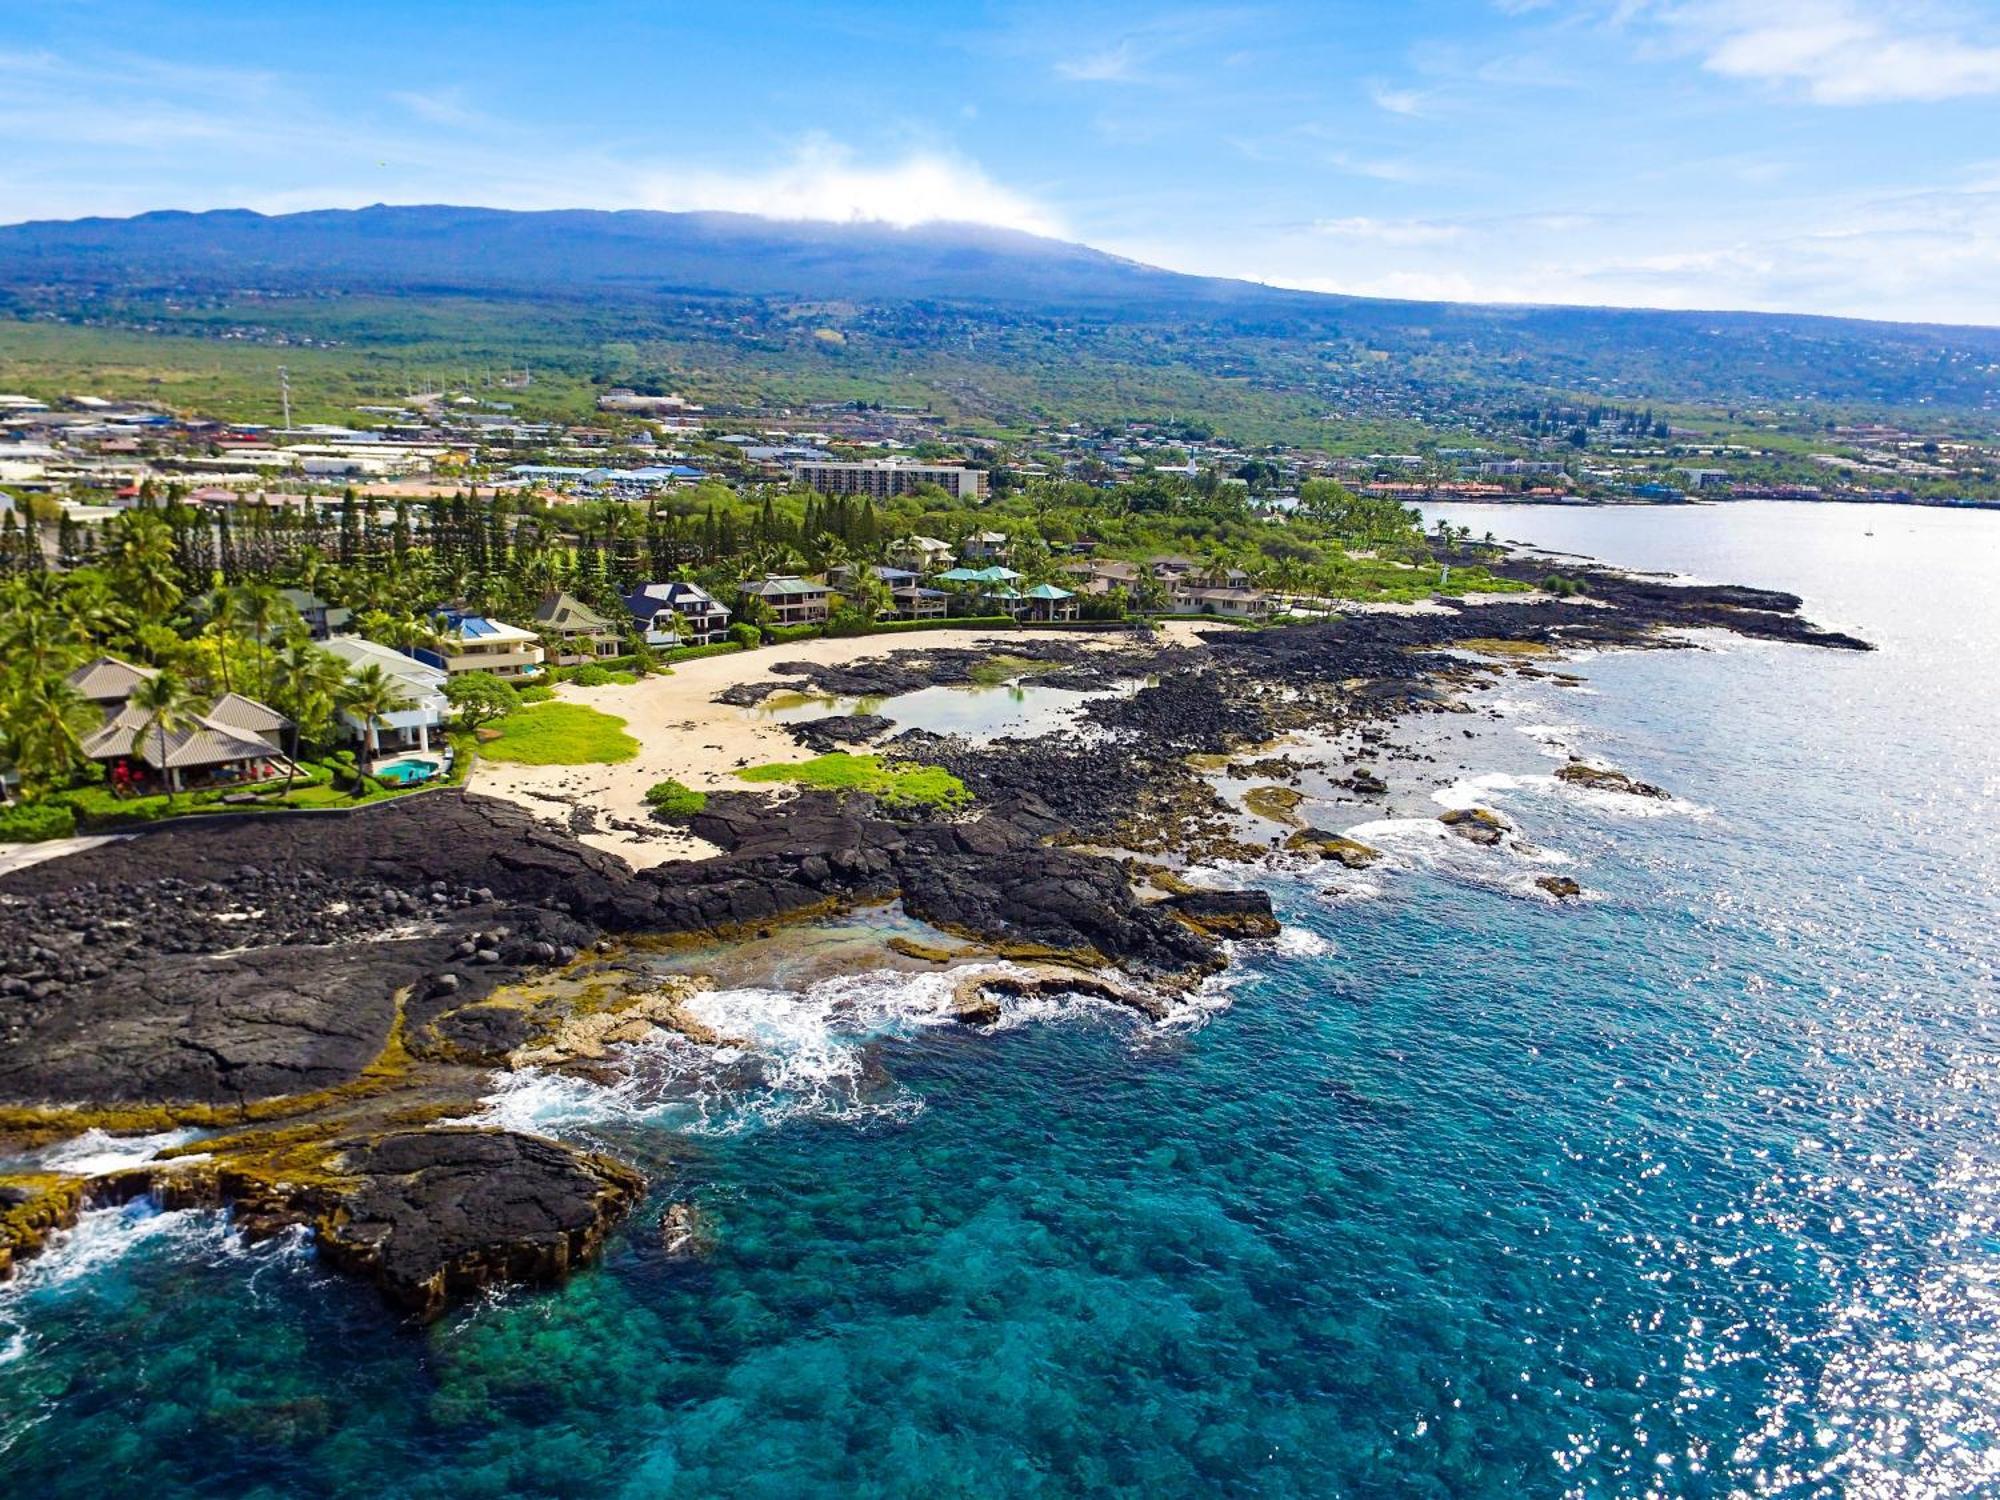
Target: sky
<point x="1833" y="156"/>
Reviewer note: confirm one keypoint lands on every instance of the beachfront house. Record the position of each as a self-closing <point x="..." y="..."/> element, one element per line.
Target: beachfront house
<point x="791" y="600"/>
<point x="678" y="614"/>
<point x="107" y="682"/>
<point x="914" y="601"/>
<point x="1226" y="603"/>
<point x="475" y="643"/>
<point x="1046" y="602"/>
<point x="579" y="632"/>
<point x="234" y="742"/>
<point x="423" y="685"/>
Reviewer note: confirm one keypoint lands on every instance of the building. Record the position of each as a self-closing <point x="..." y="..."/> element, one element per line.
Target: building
<point x="881" y="478"/>
<point x="580" y="632"/>
<point x="1047" y="602"/>
<point x="474" y="643"/>
<point x="408" y="728"/>
<point x="922" y="554"/>
<point x="985" y="546"/>
<point x="321" y="618"/>
<point x="915" y="602"/>
<point x="792" y="601"/>
<point x="678" y="614"/>
<point x="107" y="682"/>
<point x="234" y="742"/>
<point x="1226" y="603"/>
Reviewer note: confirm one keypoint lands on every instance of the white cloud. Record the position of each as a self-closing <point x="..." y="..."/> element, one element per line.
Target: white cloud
<point x="1115" y="64"/>
<point x="1389" y="231"/>
<point x="1398" y="101"/>
<point x="1835" y="51"/>
<point x="824" y="180"/>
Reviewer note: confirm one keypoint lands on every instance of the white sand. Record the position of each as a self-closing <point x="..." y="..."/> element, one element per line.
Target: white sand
<point x="684" y="734"/>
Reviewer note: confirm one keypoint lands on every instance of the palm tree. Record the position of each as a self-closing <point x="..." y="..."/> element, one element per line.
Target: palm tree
<point x="263" y="607"/>
<point x="42" y="726"/>
<point x="168" y="705"/>
<point x="307" y="679"/>
<point x="371" y="695"/>
<point x="223" y="620"/>
<point x="142" y="561"/>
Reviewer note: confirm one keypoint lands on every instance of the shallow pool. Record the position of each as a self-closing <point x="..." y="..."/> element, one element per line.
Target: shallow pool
<point x="405" y="772"/>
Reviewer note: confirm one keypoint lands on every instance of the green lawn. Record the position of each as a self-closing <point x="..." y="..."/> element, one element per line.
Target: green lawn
<point x="561" y="734"/>
<point x="901" y="786"/>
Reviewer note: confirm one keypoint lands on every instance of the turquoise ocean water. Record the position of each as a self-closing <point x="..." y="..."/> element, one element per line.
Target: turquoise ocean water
<point x="1693" y="1189"/>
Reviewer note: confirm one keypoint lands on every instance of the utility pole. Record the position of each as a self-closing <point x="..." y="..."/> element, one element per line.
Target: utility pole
<point x="285" y="394"/>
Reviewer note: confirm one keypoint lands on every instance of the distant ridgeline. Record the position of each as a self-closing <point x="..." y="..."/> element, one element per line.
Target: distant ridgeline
<point x="990" y="323"/>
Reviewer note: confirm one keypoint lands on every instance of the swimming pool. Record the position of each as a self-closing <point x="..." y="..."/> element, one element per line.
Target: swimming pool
<point x="405" y="772"/>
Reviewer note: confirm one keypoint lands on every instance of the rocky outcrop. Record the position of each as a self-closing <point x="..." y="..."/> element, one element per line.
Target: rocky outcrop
<point x="839" y="731"/>
<point x="1225" y="914"/>
<point x="1560" y="886"/>
<point x="1602" y="779"/>
<point x="976" y="998"/>
<point x="1477" y="825"/>
<point x="440" y="1215"/>
<point x="1335" y="846"/>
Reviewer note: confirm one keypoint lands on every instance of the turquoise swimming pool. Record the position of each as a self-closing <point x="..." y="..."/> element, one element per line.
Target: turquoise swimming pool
<point x="406" y="772"/>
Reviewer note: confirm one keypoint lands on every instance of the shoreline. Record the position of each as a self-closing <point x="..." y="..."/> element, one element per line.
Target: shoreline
<point x="364" y="977"/>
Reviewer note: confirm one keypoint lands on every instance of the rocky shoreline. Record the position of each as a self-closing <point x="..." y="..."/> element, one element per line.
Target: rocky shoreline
<point x="321" y="992"/>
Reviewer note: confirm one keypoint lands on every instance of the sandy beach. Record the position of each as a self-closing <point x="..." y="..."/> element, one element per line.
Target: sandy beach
<point x="685" y="734"/>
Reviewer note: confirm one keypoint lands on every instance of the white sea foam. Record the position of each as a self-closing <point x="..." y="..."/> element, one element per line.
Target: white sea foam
<point x="96" y="1151"/>
<point x="104" y="1236"/>
<point x="802" y="1053"/>
<point x="1300" y="942"/>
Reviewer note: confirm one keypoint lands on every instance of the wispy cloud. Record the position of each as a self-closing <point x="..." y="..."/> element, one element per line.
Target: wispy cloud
<point x="1389" y="231"/>
<point x="1836" y="52"/>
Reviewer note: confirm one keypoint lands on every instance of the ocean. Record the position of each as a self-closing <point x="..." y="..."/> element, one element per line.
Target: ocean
<point x="1690" y="1188"/>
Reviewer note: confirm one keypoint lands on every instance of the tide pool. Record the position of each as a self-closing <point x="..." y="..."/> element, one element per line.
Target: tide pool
<point x="1692" y="1188"/>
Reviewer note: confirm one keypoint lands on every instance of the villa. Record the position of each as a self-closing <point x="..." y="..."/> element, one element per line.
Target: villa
<point x="235" y="741"/>
<point x="915" y="602"/>
<point x="406" y="729"/>
<point x="107" y="682"/>
<point x="581" y="633"/>
<point x="792" y="600"/>
<point x="474" y="643"/>
<point x="1228" y="604"/>
<point x="678" y="614"/>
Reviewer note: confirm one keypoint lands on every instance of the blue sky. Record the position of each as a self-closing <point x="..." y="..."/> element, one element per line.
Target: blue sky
<point x="1812" y="155"/>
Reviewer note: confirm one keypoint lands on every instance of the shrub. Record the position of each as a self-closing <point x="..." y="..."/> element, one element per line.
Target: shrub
<point x="31" y="822"/>
<point x="535" y="692"/>
<point x="780" y="635"/>
<point x="480" y="698"/>
<point x="747" y="637"/>
<point x="696" y="653"/>
<point x="670" y="799"/>
<point x="595" y="674"/>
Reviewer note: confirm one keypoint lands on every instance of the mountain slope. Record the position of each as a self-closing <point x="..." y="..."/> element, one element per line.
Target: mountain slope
<point x="984" y="318"/>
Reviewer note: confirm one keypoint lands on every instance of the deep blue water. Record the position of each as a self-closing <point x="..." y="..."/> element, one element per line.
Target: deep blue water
<point x="1693" y="1189"/>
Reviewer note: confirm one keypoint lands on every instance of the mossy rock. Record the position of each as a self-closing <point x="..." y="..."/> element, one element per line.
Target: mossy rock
<point x="1350" y="852"/>
<point x="930" y="953"/>
<point x="1278" y="804"/>
<point x="34" y="1205"/>
<point x="1477" y="825"/>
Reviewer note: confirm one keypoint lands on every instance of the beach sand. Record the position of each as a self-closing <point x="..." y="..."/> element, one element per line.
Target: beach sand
<point x="684" y="734"/>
